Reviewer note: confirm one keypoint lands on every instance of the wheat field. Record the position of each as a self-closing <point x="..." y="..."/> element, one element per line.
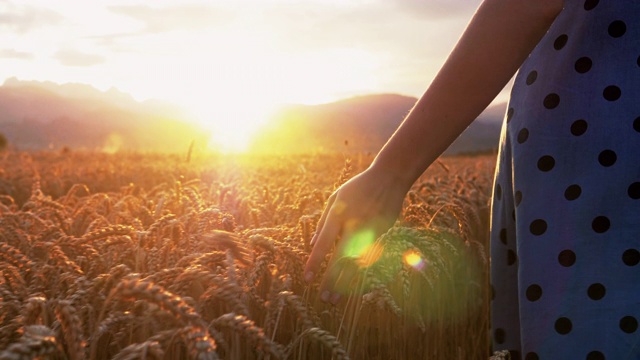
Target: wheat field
<point x="149" y="256"/>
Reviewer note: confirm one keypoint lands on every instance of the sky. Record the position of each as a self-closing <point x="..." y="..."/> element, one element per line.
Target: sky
<point x="233" y="59"/>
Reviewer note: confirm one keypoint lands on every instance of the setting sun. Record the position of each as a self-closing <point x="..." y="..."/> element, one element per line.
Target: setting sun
<point x="234" y="91"/>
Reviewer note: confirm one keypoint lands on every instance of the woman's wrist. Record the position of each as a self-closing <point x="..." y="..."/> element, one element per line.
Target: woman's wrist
<point x="393" y="174"/>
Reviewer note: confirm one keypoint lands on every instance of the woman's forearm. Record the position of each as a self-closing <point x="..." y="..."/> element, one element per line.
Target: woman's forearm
<point x="498" y="39"/>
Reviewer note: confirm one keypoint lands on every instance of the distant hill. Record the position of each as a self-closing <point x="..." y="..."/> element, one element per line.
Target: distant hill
<point x="36" y="115"/>
<point x="363" y="123"/>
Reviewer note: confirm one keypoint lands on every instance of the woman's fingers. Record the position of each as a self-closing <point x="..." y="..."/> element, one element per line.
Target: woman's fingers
<point x="356" y="243"/>
<point x="338" y="280"/>
<point x="324" y="240"/>
<point x="323" y="218"/>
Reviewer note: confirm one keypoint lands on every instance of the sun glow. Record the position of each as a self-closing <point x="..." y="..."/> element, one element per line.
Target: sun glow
<point x="236" y="78"/>
<point x="232" y="123"/>
<point x="238" y="91"/>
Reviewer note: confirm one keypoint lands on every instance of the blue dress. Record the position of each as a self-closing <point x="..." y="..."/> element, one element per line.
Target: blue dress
<point x="565" y="238"/>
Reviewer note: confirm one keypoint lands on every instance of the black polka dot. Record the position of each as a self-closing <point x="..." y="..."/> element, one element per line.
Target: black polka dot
<point x="551" y="101"/>
<point x="567" y="258"/>
<point x="583" y="65"/>
<point x="631" y="257"/>
<point x="546" y="163"/>
<point x="611" y="93"/>
<point x="596" y="291"/>
<point x="503" y="236"/>
<point x="534" y="292"/>
<point x="531" y="356"/>
<point x="579" y="127"/>
<point x="590" y="4"/>
<point x="607" y="158"/>
<point x="617" y="28"/>
<point x="523" y="135"/>
<point x="634" y="190"/>
<point x="511" y="257"/>
<point x="510" y="114"/>
<point x="636" y="124"/>
<point x="499" y="336"/>
<point x="518" y="197"/>
<point x="538" y="227"/>
<point x="563" y="326"/>
<point x="560" y="41"/>
<point x="572" y="192"/>
<point x="531" y="78"/>
<point x="498" y="191"/>
<point x="595" y="355"/>
<point x="629" y="324"/>
<point x="601" y="224"/>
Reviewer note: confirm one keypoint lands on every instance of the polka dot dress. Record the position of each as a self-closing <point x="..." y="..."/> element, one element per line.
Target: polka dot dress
<point x="565" y="238"/>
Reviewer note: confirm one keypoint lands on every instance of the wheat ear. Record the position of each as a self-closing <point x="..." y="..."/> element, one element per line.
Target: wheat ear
<point x="246" y="327"/>
<point x="38" y="342"/>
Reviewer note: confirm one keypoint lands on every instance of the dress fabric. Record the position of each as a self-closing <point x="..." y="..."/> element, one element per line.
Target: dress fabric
<point x="565" y="237"/>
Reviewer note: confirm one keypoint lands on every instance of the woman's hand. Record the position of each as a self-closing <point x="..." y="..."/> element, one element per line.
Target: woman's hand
<point x="361" y="210"/>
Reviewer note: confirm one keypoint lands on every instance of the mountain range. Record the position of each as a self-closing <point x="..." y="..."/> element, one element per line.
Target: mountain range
<point x="37" y="115"/>
<point x="364" y="123"/>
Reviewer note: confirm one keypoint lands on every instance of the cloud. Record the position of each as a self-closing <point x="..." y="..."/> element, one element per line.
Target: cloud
<point x="309" y="26"/>
<point x="69" y="57"/>
<point x="15" y="54"/>
<point x="438" y="9"/>
<point x="183" y="17"/>
<point x="22" y="19"/>
<point x="386" y="27"/>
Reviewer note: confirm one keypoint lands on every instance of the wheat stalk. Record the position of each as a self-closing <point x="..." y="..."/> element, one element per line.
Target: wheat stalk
<point x="246" y="327"/>
<point x="146" y="350"/>
<point x="71" y="327"/>
<point x="324" y="337"/>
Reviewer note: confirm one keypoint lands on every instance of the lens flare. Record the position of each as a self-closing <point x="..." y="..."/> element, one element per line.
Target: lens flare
<point x="414" y="260"/>
<point x="363" y="248"/>
<point x="359" y="243"/>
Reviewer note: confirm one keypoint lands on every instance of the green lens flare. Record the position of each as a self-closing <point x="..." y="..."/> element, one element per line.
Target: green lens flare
<point x="359" y="243"/>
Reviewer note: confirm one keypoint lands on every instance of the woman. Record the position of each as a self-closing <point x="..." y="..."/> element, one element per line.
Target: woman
<point x="566" y="207"/>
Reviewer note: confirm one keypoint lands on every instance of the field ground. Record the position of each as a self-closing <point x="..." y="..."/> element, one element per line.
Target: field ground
<point x="132" y="256"/>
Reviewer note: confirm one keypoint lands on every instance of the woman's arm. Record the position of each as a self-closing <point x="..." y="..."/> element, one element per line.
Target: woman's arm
<point x="498" y="39"/>
<point x="496" y="42"/>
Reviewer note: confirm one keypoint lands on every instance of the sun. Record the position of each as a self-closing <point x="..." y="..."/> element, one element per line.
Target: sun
<point x="234" y="80"/>
<point x="235" y="101"/>
<point x="231" y="122"/>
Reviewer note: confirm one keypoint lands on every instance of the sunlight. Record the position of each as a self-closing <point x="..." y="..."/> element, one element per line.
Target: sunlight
<point x="235" y="104"/>
<point x="232" y="123"/>
<point x="235" y="79"/>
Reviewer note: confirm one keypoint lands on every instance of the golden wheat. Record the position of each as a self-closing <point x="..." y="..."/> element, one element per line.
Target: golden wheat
<point x="145" y="256"/>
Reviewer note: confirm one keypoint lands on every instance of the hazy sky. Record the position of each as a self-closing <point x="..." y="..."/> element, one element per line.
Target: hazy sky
<point x="232" y="56"/>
